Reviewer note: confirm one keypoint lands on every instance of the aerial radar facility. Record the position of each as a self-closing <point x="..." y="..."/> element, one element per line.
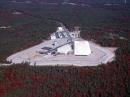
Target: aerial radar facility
<point x="64" y="48"/>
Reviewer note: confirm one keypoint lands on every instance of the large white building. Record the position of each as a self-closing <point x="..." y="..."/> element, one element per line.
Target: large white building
<point x="77" y="47"/>
<point x="82" y="48"/>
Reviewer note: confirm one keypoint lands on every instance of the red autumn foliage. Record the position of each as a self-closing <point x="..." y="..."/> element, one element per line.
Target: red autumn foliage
<point x="57" y="94"/>
<point x="3" y="90"/>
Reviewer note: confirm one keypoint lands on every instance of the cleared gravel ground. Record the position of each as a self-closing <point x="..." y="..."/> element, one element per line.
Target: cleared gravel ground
<point x="99" y="55"/>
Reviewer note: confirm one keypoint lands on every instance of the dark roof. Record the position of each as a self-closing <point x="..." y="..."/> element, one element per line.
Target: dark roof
<point x="47" y="48"/>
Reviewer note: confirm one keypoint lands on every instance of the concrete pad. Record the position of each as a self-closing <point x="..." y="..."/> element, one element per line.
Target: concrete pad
<point x="98" y="56"/>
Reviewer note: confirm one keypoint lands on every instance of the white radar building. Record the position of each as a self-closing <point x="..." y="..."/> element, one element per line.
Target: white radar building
<point x="77" y="47"/>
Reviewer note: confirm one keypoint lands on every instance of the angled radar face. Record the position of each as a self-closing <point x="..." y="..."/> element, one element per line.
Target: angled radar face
<point x="81" y="48"/>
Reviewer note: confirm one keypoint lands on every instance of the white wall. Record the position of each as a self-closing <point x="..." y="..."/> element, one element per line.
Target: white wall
<point x="53" y="37"/>
<point x="82" y="48"/>
<point x="65" y="49"/>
